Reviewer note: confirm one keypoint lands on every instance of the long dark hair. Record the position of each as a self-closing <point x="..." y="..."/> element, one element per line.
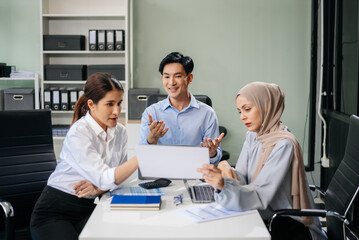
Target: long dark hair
<point x="96" y="87"/>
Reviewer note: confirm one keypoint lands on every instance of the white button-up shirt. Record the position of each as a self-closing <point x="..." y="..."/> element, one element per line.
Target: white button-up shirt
<point x="89" y="153"/>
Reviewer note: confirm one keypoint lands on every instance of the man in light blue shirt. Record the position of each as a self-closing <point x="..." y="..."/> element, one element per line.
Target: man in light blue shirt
<point x="180" y="119"/>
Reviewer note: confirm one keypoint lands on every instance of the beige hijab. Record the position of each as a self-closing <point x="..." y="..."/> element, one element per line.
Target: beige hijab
<point x="269" y="100"/>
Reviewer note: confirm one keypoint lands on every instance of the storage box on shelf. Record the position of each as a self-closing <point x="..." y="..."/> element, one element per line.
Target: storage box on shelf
<point x="28" y="82"/>
<point x="63" y="23"/>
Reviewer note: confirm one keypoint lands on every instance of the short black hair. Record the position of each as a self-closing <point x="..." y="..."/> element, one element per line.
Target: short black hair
<point x="176" y="57"/>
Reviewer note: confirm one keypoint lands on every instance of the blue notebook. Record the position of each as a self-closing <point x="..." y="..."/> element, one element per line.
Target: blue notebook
<point x="128" y="202"/>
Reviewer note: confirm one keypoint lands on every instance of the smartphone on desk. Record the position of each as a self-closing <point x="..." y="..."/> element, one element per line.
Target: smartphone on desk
<point x="158" y="183"/>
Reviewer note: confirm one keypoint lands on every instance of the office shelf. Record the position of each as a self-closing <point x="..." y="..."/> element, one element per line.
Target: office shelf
<point x="77" y="17"/>
<point x="55" y="16"/>
<point x="72" y="82"/>
<point x="85" y="52"/>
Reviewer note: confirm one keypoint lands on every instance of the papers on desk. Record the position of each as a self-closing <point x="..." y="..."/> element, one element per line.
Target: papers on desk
<point x="210" y="212"/>
<point x="137" y="191"/>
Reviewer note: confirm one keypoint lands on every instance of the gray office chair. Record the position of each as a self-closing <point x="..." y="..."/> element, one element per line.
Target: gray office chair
<point x="26" y="161"/>
<point x="341" y="192"/>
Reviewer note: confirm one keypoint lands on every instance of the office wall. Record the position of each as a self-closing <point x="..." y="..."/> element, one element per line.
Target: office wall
<point x="232" y="42"/>
<point x="4" y="28"/>
<point x="20" y="34"/>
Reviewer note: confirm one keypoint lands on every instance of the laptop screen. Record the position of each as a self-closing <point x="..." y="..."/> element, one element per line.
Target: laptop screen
<point x="173" y="162"/>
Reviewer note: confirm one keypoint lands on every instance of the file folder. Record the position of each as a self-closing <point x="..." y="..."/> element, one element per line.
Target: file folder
<point x="92" y="40"/>
<point x="110" y="40"/>
<point x="64" y="100"/>
<point x="119" y="40"/>
<point x="47" y="99"/>
<point x="55" y="104"/>
<point x="101" y="39"/>
<point x="73" y="98"/>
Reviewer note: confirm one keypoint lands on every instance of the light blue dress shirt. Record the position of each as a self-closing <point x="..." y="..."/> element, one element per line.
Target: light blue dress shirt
<point x="186" y="127"/>
<point x="90" y="153"/>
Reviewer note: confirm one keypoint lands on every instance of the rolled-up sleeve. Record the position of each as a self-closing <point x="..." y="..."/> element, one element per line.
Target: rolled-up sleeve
<point x="212" y="132"/>
<point x="144" y="127"/>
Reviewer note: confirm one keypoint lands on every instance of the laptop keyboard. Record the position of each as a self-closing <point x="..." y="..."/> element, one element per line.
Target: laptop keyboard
<point x="203" y="193"/>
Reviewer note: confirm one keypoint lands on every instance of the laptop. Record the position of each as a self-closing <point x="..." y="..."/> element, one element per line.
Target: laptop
<point x="171" y="161"/>
<point x="200" y="193"/>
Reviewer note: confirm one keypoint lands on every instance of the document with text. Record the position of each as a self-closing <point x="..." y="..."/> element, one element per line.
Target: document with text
<point x="210" y="212"/>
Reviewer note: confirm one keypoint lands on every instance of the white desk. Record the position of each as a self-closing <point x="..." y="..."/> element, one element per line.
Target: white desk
<point x="165" y="223"/>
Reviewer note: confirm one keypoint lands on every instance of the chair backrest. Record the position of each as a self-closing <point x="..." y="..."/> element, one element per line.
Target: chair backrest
<point x="158" y="97"/>
<point x="342" y="189"/>
<point x="26" y="159"/>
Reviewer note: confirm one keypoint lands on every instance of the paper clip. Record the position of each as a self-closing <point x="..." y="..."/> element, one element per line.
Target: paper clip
<point x="177" y="200"/>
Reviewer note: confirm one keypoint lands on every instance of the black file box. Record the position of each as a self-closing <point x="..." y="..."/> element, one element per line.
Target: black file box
<point x="18" y="99"/>
<point x="137" y="101"/>
<point x="118" y="70"/>
<point x="65" y="72"/>
<point x="64" y="42"/>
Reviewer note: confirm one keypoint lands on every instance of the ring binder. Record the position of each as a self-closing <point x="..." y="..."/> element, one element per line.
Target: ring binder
<point x="119" y="42"/>
<point x="64" y="100"/>
<point x="101" y="39"/>
<point x="110" y="40"/>
<point x="55" y="104"/>
<point x="92" y="40"/>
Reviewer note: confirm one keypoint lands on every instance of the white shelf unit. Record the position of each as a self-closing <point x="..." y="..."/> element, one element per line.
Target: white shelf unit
<point x="22" y="83"/>
<point x="77" y="17"/>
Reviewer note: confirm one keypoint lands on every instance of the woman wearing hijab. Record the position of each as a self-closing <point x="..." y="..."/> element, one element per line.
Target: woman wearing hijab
<point x="269" y="174"/>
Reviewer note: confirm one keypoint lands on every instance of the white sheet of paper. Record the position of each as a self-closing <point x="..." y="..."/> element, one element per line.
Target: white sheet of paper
<point x="174" y="162"/>
<point x="209" y="212"/>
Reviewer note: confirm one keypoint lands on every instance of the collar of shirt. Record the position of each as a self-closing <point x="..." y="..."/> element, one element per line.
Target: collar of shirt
<point x="106" y="136"/>
<point x="192" y="104"/>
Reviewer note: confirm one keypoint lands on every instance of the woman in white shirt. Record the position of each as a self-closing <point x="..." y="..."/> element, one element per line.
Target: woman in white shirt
<point x="269" y="174"/>
<point x="93" y="160"/>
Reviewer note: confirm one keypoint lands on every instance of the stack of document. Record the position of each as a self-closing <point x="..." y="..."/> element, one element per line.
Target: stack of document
<point x="137" y="191"/>
<point x="135" y="202"/>
<point x="22" y="74"/>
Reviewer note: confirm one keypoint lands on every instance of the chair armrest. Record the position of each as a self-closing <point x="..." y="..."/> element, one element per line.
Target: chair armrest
<point x="9" y="219"/>
<point x="7" y="208"/>
<point x="300" y="212"/>
<point x="316" y="188"/>
<point x="306" y="212"/>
